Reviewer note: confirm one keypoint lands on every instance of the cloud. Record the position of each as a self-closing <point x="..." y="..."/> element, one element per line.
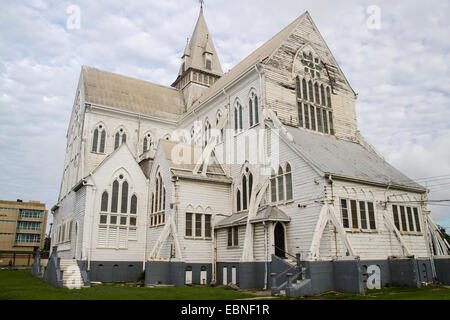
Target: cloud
<point x="400" y="72"/>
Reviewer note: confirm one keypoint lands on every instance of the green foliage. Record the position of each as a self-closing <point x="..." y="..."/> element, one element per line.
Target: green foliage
<point x="444" y="233"/>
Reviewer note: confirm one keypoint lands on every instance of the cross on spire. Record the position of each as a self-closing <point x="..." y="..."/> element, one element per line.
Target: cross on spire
<point x="201" y="3"/>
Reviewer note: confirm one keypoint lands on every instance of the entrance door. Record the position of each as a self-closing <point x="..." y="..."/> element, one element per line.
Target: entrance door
<point x="279" y="241"/>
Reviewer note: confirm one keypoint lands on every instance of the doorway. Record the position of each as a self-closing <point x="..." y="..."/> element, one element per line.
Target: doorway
<point x="279" y="241"/>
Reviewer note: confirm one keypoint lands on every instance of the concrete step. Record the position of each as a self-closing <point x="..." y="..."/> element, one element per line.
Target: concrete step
<point x="71" y="276"/>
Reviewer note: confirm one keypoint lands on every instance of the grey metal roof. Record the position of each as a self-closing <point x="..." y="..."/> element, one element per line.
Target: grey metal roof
<point x="270" y="213"/>
<point x="347" y="159"/>
<point x="265" y="213"/>
<point x="118" y="91"/>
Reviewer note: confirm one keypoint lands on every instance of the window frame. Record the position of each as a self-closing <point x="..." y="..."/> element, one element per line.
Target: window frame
<point x="350" y="219"/>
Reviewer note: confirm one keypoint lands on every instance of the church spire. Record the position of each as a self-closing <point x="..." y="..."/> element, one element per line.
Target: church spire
<point x="200" y="63"/>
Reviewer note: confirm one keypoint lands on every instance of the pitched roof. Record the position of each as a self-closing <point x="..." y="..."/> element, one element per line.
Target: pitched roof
<point x="201" y="42"/>
<point x="115" y="90"/>
<point x="347" y="159"/>
<point x="258" y="55"/>
<point x="265" y="213"/>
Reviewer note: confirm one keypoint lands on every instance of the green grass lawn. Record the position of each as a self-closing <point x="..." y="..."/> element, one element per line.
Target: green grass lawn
<point x="21" y="285"/>
<point x="424" y="293"/>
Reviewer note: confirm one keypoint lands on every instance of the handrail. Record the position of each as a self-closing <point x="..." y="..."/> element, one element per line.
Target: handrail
<point x="289" y="254"/>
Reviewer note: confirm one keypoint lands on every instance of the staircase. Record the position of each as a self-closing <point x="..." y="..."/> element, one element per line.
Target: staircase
<point x="289" y="278"/>
<point x="71" y="274"/>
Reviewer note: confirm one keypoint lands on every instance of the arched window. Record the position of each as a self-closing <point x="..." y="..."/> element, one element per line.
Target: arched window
<point x="104" y="205"/>
<point x="124" y="202"/>
<point x="250" y="111"/>
<point x="220" y="136"/>
<point x="238" y="117"/>
<point x="328" y="97"/>
<point x="316" y="91"/>
<point x="288" y="178"/>
<point x="238" y="200"/>
<point x="244" y="193"/>
<point x="256" y="110"/>
<point x="273" y="187"/>
<point x="133" y="204"/>
<point x="115" y="196"/>
<point x="280" y="184"/>
<point x="245" y="190"/>
<point x="305" y="90"/>
<point x="158" y="205"/>
<point x="250" y="186"/>
<point x="147" y="143"/>
<point x="119" y="138"/>
<point x="311" y="91"/>
<point x="322" y="94"/>
<point x="298" y="89"/>
<point x="95" y="141"/>
<point x="207" y="133"/>
<point x="253" y="109"/>
<point x="99" y="139"/>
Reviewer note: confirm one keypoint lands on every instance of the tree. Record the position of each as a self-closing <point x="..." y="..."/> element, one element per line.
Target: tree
<point x="46" y="249"/>
<point x="444" y="233"/>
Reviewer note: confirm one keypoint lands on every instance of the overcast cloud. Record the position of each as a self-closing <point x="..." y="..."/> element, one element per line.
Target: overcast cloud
<point x="400" y="72"/>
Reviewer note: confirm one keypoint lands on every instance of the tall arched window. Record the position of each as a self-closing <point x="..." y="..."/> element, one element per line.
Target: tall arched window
<point x="317" y="94"/>
<point x="95" y="141"/>
<point x="273" y="187"/>
<point x="220" y="136"/>
<point x="245" y="190"/>
<point x="256" y="109"/>
<point x="280" y="184"/>
<point x="238" y="117"/>
<point x="311" y="91"/>
<point x="288" y="178"/>
<point x="328" y="97"/>
<point x="207" y="132"/>
<point x="99" y="139"/>
<point x="104" y="204"/>
<point x="253" y="109"/>
<point x="133" y="204"/>
<point x="115" y="196"/>
<point x="322" y="94"/>
<point x="250" y="111"/>
<point x="147" y="142"/>
<point x="238" y="200"/>
<point x="305" y="90"/>
<point x="124" y="202"/>
<point x="158" y="205"/>
<point x="244" y="193"/>
<point x="298" y="89"/>
<point x="119" y="138"/>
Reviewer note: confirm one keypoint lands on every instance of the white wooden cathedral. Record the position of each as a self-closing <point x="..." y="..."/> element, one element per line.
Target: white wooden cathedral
<point x="257" y="177"/>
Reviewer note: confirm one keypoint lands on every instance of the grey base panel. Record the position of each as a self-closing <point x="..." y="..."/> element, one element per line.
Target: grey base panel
<point x="113" y="271"/>
<point x="249" y="275"/>
<point x="174" y="272"/>
<point x="351" y="276"/>
<point x="442" y="270"/>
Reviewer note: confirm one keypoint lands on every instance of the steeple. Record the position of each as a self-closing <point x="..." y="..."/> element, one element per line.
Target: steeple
<point x="200" y="67"/>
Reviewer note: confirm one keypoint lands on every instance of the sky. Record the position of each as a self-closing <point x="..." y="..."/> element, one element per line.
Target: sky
<point x="394" y="53"/>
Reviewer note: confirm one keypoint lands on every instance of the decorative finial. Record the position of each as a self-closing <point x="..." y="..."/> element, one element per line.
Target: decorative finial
<point x="201" y="4"/>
